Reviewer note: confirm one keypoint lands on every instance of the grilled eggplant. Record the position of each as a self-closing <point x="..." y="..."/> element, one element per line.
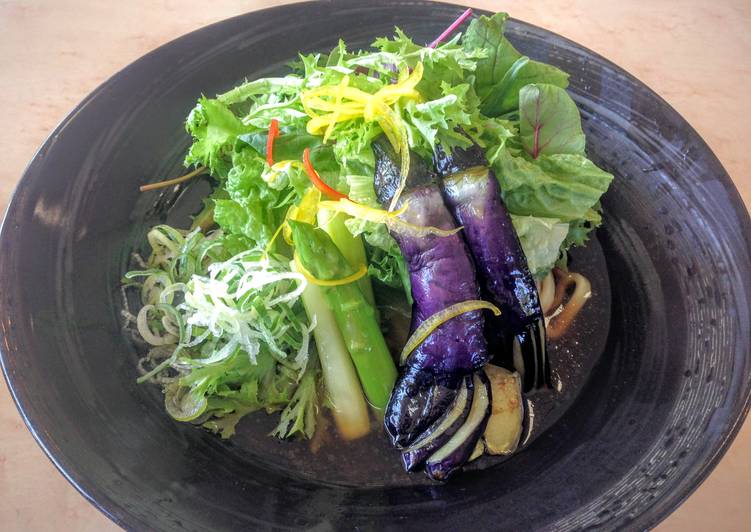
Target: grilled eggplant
<point x="458" y="450"/>
<point x="442" y="430"/>
<point x="442" y="274"/>
<point x="473" y="196"/>
<point x="506" y="419"/>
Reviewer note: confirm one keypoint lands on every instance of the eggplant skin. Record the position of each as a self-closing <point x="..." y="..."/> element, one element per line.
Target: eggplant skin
<point x="419" y="398"/>
<point x="388" y="172"/>
<point x="458" y="160"/>
<point x="440" y="268"/>
<point x="442" y="274"/>
<point x="452" y="456"/>
<point x="473" y="196"/>
<point x="442" y="430"/>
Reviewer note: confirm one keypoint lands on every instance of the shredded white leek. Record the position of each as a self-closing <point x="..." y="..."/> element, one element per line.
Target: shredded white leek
<point x="142" y="323"/>
<point x="215" y="303"/>
<point x="241" y="304"/>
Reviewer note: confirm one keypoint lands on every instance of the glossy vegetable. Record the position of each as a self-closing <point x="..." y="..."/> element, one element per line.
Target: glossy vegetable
<point x="312" y="279"/>
<point x="419" y="398"/>
<point x="273" y="134"/>
<point x="505" y="424"/>
<point x="440" y="268"/>
<point x="442" y="430"/>
<point x="435" y="321"/>
<point x="474" y="197"/>
<point x="354" y="316"/>
<point x="458" y="450"/>
<point x="441" y="275"/>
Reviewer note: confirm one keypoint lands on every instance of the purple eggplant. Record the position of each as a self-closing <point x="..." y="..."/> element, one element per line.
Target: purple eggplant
<point x="473" y="196"/>
<point x="450" y="457"/>
<point x="418" y="399"/>
<point x="442" y="430"/>
<point x="440" y="268"/>
<point x="442" y="274"/>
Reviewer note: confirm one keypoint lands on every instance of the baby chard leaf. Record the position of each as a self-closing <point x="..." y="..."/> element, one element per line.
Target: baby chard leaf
<point x="549" y="121"/>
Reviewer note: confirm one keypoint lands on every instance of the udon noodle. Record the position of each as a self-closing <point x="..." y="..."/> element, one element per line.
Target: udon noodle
<point x="562" y="296"/>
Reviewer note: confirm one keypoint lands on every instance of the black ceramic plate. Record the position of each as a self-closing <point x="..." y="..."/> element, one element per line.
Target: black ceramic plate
<point x="667" y="395"/>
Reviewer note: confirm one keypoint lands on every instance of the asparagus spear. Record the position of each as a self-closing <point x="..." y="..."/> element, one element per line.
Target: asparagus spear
<point x="351" y="246"/>
<point x="354" y="315"/>
<point x="347" y="401"/>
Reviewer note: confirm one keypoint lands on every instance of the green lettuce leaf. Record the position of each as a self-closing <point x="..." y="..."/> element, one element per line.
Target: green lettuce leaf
<point x="494" y="134"/>
<point x="214" y="129"/>
<point x="450" y="63"/>
<point x="579" y="230"/>
<point x="541" y="240"/>
<point x="435" y="120"/>
<point x="288" y="145"/>
<point x="504" y="97"/>
<point x="549" y="121"/>
<point x="502" y="73"/>
<point x="300" y="414"/>
<point x="288" y="85"/>
<point x="254" y="209"/>
<point x="560" y="186"/>
<point x="486" y="33"/>
<point x="550" y="194"/>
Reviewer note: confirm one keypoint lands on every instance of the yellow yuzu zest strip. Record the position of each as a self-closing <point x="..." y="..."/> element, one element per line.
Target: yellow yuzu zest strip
<point x="361" y="272"/>
<point x="337" y="104"/>
<point x="439" y="318"/>
<point x="369" y="107"/>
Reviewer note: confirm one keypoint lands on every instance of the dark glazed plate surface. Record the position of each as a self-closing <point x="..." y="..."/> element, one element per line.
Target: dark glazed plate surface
<point x="658" y="411"/>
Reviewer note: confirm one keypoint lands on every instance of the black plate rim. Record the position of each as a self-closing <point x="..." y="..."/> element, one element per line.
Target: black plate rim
<point x="112" y="509"/>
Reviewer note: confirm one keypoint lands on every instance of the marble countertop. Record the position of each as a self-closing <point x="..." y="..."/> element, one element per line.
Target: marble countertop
<point x="695" y="54"/>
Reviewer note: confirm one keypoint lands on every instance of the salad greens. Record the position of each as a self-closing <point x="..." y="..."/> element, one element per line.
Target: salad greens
<point x="503" y="72"/>
<point x="227" y="335"/>
<point x="222" y="309"/>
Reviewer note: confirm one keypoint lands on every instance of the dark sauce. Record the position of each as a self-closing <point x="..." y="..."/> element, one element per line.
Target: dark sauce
<point x="372" y="461"/>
